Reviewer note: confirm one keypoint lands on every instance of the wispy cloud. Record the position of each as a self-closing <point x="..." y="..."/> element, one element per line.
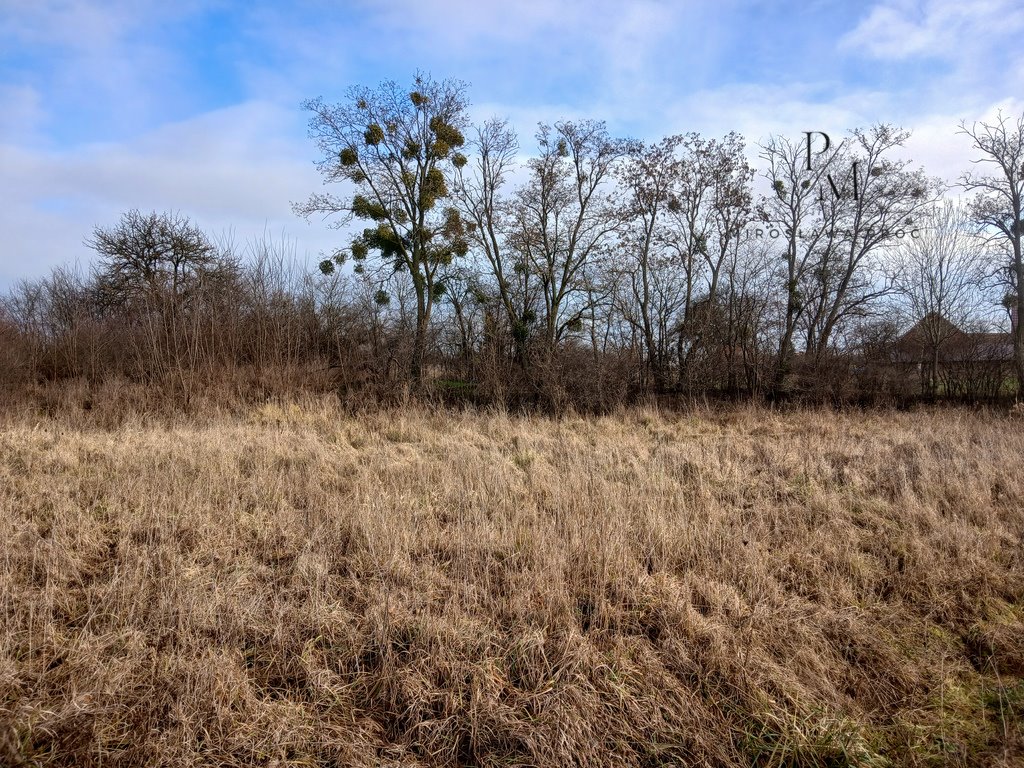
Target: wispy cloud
<point x="234" y="169"/>
<point x="22" y="112"/>
<point x="944" y="29"/>
<point x="194" y="106"/>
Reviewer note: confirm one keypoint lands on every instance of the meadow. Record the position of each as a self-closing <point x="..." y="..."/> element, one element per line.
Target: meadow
<point x="295" y="585"/>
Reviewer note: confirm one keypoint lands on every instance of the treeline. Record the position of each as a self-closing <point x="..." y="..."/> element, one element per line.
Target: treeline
<point x="597" y="271"/>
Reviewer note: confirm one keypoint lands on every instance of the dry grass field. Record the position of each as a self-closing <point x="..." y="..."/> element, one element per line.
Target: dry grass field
<point x="296" y="586"/>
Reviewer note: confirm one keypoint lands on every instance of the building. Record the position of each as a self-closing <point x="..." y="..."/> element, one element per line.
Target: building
<point x="948" y="361"/>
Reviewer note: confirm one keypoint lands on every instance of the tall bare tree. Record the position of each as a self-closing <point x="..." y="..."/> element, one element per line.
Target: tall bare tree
<point x="792" y="212"/>
<point x="478" y="191"/>
<point x="651" y="292"/>
<point x="708" y="211"/>
<point x="876" y="209"/>
<point x="939" y="274"/>
<point x="837" y="218"/>
<point x="563" y="219"/>
<point x="998" y="207"/>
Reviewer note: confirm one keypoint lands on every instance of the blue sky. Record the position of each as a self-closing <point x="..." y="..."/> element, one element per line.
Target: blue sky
<point x="195" y="106"/>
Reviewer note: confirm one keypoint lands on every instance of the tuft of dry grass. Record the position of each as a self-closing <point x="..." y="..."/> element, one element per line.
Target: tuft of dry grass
<point x="297" y="586"/>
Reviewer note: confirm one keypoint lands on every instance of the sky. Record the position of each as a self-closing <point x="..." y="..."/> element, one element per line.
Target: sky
<point x="195" y="106"/>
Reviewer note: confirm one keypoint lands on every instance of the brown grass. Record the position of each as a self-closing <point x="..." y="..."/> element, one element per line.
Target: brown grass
<point x="307" y="588"/>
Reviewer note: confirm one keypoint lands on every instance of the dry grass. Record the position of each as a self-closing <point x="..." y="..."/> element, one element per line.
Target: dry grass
<point x="301" y="587"/>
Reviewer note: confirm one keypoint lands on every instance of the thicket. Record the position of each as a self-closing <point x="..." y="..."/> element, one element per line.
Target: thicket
<point x="597" y="272"/>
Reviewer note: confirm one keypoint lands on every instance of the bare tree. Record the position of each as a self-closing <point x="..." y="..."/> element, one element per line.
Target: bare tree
<point x="651" y="293"/>
<point x="154" y="256"/>
<point x="939" y="274"/>
<point x="563" y="218"/>
<point x="154" y="273"/>
<point x="864" y="222"/>
<point x="477" y="190"/>
<point x="709" y="209"/>
<point x="839" y="218"/>
<point x="793" y="211"/>
<point x="998" y="207"/>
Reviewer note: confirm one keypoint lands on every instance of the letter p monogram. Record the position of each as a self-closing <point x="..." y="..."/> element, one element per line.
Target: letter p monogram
<point x="809" y="135"/>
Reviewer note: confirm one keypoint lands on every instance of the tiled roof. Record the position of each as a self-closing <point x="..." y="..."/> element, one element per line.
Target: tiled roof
<point x="954" y="345"/>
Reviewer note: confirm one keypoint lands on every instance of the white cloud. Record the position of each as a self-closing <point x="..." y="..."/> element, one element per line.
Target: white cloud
<point x="947" y="29"/>
<point x="462" y="23"/>
<point x="649" y="68"/>
<point x="21" y="114"/>
<point x="111" y="62"/>
<point x="757" y="111"/>
<point x="236" y="169"/>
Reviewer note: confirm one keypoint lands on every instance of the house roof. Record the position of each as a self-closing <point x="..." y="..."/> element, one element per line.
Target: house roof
<point x="934" y="333"/>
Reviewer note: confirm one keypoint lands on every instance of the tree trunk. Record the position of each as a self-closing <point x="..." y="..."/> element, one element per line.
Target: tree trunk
<point x="1018" y="329"/>
<point x="785" y="350"/>
<point x="420" y="341"/>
